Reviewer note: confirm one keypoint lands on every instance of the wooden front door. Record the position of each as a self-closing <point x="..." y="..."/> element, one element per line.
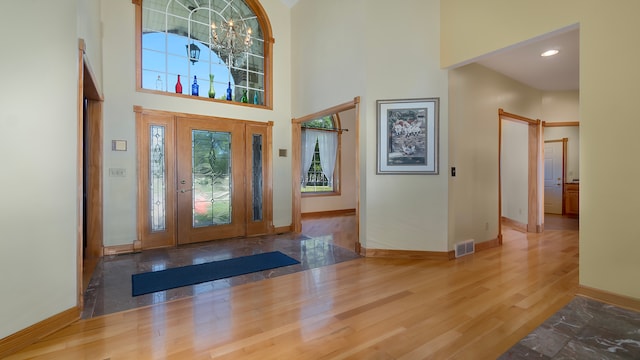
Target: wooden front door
<point x="210" y="179"/>
<point x="201" y="178"/>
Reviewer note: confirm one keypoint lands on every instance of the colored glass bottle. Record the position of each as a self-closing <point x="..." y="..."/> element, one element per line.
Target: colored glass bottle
<point x="244" y="98"/>
<point x="229" y="93"/>
<point x="195" y="86"/>
<point x="256" y="99"/>
<point x="178" y="86"/>
<point x="212" y="91"/>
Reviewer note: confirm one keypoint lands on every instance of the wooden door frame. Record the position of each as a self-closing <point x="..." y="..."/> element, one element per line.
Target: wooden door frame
<point x="296" y="140"/>
<point x="88" y="88"/>
<point x="535" y="221"/>
<point x="170" y="120"/>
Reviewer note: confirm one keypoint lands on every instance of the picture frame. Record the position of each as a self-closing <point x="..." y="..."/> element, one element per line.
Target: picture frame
<point x="407" y="141"/>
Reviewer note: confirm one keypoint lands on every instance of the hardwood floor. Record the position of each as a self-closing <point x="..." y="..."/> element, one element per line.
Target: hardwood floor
<point x="475" y="307"/>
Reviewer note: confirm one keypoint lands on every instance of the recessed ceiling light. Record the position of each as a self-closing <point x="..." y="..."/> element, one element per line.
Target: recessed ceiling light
<point x="549" y="53"/>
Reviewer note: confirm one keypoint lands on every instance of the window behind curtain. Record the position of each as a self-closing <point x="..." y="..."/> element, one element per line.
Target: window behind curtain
<point x="316" y="143"/>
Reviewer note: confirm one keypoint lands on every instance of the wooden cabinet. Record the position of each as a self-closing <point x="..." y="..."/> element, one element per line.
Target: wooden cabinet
<point x="572" y="199"/>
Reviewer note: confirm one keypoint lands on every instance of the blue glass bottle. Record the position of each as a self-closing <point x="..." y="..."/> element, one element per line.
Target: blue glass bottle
<point x="256" y="100"/>
<point x="195" y="87"/>
<point x="229" y="92"/>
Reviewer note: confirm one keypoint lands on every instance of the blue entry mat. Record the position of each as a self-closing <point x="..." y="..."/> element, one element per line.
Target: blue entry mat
<point x="145" y="283"/>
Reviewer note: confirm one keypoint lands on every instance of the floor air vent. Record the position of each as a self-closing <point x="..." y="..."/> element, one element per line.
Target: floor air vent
<point x="465" y="248"/>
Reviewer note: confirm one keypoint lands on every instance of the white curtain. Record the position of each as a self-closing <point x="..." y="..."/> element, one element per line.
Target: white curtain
<point x="309" y="138"/>
<point x="328" y="146"/>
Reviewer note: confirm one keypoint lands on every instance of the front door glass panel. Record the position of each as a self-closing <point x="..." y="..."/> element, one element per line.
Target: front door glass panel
<point x="212" y="178"/>
<point x="158" y="179"/>
<point x="257" y="177"/>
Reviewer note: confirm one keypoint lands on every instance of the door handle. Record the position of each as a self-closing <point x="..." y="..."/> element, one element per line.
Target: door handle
<point x="184" y="191"/>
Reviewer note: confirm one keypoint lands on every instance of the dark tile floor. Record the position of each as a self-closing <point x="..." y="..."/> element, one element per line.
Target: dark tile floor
<point x="584" y="329"/>
<point x="109" y="289"/>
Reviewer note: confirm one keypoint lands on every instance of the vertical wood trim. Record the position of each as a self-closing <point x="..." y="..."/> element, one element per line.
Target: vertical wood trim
<point x="138" y="25"/>
<point x="500" y="111"/>
<point x="94" y="187"/>
<point x="268" y="205"/>
<point x="533" y="179"/>
<point x="296" y="206"/>
<point x="358" y="245"/>
<point x="564" y="172"/>
<point x="80" y="173"/>
<point x="337" y="173"/>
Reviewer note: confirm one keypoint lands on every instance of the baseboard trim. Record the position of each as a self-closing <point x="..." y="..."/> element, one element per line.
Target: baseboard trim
<point x="405" y="254"/>
<point x="609" y="298"/>
<point x="485" y="245"/>
<point x="516" y="225"/>
<point x="118" y="249"/>
<point x="330" y="213"/>
<point x="282" y="229"/>
<point x="25" y="337"/>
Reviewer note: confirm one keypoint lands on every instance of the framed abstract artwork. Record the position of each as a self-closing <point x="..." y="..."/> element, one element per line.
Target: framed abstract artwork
<point x="408" y="136"/>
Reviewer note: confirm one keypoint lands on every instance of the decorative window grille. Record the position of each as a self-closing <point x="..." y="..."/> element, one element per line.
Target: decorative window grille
<point x="171" y="27"/>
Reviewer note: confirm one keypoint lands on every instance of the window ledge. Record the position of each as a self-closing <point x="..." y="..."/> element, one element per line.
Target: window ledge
<point x="187" y="96"/>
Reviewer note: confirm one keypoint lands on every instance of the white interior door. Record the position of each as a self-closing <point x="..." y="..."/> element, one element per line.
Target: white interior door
<point x="553" y="163"/>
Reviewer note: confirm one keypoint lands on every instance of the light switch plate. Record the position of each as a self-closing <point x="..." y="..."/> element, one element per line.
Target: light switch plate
<point x="119" y="145"/>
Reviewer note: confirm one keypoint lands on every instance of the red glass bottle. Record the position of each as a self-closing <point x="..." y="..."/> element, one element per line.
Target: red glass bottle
<point x="178" y="86"/>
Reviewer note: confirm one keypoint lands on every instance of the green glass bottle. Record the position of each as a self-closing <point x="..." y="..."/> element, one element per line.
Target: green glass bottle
<point x="212" y="91"/>
<point x="244" y="97"/>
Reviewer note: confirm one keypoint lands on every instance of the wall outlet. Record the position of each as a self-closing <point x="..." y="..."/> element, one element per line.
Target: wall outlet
<point x="117" y="172"/>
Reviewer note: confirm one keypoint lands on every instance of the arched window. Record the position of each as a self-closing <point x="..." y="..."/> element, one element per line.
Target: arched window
<point x="320" y="167"/>
<point x="221" y="46"/>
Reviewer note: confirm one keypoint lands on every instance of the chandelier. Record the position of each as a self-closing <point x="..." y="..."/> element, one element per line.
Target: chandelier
<point x="232" y="40"/>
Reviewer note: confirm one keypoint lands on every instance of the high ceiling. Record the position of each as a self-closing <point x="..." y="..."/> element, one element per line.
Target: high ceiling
<point x="522" y="62"/>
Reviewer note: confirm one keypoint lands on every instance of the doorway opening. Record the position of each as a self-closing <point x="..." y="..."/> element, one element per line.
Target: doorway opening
<point x="545" y="192"/>
<point x="349" y="186"/>
<point x="89" y="172"/>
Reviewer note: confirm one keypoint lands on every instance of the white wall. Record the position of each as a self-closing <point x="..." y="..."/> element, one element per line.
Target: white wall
<point x="515" y="170"/>
<point x="89" y="29"/>
<point x="608" y="113"/>
<point x="347" y="197"/>
<point x="38" y="143"/>
<point x="563" y="106"/>
<point x="377" y="50"/>
<point x="476" y="93"/>
<point x="119" y="119"/>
